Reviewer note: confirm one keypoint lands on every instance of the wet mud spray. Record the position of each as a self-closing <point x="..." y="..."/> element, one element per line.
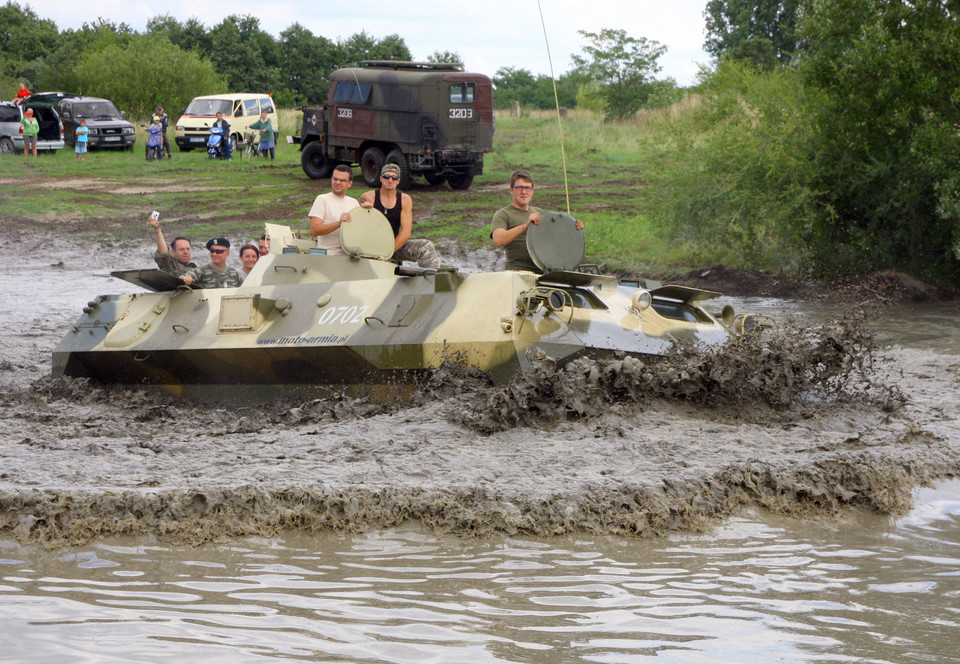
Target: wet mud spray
<point x="815" y="420"/>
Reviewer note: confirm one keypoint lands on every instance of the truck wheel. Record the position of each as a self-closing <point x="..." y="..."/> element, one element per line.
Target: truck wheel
<point x="395" y="156"/>
<point x="6" y="146"/>
<point x="370" y="164"/>
<point x="460" y="180"/>
<point x="433" y="178"/>
<point x="315" y="164"/>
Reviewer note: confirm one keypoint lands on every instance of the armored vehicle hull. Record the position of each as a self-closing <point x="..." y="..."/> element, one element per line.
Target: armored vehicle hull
<point x="302" y="320"/>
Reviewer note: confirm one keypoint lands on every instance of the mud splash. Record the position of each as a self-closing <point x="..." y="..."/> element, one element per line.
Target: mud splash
<point x="759" y="377"/>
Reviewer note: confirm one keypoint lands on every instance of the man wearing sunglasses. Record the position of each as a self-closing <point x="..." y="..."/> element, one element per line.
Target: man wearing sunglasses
<point x="397" y="207"/>
<point x="217" y="274"/>
<point x="509" y="227"/>
<point x="332" y="209"/>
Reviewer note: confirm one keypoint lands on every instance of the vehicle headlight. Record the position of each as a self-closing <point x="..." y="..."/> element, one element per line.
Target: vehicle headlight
<point x="180" y="127"/>
<point x="641" y="300"/>
<point x="128" y="130"/>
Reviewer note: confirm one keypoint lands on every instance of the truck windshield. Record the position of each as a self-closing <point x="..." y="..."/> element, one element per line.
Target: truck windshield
<point x="209" y="107"/>
<point x="351" y="92"/>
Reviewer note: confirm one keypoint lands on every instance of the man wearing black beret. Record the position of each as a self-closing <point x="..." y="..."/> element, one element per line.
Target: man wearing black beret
<point x="217" y="274"/>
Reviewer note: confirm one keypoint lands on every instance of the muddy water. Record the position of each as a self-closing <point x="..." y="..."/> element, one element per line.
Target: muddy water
<point x="593" y="567"/>
<point x="865" y="588"/>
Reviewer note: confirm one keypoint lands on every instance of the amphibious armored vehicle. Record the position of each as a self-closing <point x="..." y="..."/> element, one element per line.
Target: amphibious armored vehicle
<point x="304" y="319"/>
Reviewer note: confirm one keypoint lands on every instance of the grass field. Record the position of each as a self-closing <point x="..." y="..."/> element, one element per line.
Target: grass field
<point x="609" y="181"/>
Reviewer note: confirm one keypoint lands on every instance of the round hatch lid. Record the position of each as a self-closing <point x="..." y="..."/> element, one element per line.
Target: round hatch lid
<point x="367" y="234"/>
<point x="555" y="243"/>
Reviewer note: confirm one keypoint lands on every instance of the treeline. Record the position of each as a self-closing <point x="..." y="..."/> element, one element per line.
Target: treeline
<point x="171" y="61"/>
<point x="826" y="138"/>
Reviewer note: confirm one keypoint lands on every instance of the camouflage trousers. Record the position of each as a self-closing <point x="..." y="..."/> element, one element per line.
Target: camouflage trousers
<point x="422" y="252"/>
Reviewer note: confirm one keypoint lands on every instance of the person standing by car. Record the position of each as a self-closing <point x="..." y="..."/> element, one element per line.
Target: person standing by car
<point x="268" y="138"/>
<point x="80" y="145"/>
<point x="30" y="128"/>
<point x="164" y="120"/>
<point x="225" y="126"/>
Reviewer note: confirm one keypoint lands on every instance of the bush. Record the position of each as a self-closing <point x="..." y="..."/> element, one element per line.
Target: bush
<point x="147" y="71"/>
<point x="735" y="174"/>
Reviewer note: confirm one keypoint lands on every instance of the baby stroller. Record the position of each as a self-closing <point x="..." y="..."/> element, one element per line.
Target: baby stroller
<point x="154" y="142"/>
<point x="215" y="143"/>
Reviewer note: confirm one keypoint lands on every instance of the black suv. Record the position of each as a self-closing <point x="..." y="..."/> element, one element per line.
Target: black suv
<point x="106" y="126"/>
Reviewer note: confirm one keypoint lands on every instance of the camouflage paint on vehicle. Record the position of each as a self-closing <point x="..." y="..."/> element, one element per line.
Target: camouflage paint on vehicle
<point x="303" y="319"/>
<point x="431" y="119"/>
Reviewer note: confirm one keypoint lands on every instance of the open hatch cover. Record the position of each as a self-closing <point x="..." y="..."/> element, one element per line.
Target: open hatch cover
<point x="153" y="279"/>
<point x="555" y="243"/>
<point x="367" y="234"/>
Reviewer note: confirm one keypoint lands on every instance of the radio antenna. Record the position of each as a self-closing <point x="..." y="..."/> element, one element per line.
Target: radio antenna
<point x="556" y="100"/>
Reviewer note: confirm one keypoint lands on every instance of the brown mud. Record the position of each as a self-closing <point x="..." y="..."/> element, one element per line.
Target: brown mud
<point x="884" y="287"/>
<point x="812" y="423"/>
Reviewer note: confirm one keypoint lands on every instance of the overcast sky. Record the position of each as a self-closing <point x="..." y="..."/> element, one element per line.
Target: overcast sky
<point x="488" y="34"/>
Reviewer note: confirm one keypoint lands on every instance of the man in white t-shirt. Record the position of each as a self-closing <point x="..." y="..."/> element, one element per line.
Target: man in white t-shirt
<point x="332" y="209"/>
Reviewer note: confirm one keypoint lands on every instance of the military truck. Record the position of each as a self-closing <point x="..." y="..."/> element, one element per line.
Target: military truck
<point x="431" y="119"/>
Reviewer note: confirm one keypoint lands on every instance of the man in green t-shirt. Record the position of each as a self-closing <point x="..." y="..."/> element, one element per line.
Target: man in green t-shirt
<point x="509" y="227"/>
<point x="30" y="130"/>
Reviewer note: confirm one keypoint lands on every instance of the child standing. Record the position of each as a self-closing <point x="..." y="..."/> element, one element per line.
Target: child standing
<point x="81" y="143"/>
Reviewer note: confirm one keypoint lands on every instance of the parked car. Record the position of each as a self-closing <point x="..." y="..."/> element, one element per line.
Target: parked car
<point x="240" y="109"/>
<point x="107" y="127"/>
<point x="50" y="137"/>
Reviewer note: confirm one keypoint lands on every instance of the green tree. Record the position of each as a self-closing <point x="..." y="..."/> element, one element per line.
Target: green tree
<point x="759" y="31"/>
<point x="520" y="85"/>
<point x="448" y="57"/>
<point x="735" y="177"/>
<point x="362" y="46"/>
<point x="306" y="61"/>
<point x="888" y="144"/>
<point x="190" y="35"/>
<point x="145" y="72"/>
<point x="24" y="37"/>
<point x="246" y="55"/>
<point x="590" y="97"/>
<point x="60" y="70"/>
<point x="624" y="65"/>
